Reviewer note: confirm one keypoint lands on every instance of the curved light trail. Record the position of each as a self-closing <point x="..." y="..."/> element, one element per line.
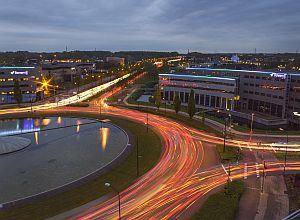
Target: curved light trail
<point x="177" y="181"/>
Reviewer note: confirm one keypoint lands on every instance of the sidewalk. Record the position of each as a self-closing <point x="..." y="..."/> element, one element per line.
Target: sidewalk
<point x="272" y="203"/>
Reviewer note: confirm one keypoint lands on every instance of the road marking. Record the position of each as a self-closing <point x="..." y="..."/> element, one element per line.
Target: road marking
<point x="224" y="169"/>
<point x="257" y="170"/>
<point x="249" y="147"/>
<point x="245" y="171"/>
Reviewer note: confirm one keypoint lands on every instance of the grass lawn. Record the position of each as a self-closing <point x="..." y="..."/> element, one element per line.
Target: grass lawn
<point x="231" y="154"/>
<point x="222" y="205"/>
<point x="150" y="148"/>
<point x="289" y="155"/>
<point x="179" y="118"/>
<point x="293" y="192"/>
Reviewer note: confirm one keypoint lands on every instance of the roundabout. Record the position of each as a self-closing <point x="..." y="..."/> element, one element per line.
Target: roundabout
<point x="55" y="152"/>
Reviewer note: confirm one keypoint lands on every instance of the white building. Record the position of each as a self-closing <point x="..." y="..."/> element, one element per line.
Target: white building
<point x="27" y="77"/>
<point x="210" y="92"/>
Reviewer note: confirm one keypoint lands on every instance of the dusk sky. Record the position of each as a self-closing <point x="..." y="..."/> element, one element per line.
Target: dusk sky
<point x="159" y="25"/>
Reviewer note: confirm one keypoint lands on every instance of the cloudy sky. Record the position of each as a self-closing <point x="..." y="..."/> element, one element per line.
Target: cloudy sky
<point x="164" y="25"/>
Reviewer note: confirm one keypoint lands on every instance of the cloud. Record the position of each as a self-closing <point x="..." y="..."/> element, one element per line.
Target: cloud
<point x="200" y="25"/>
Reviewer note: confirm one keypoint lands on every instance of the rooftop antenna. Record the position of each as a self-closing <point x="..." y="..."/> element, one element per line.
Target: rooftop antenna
<point x="255" y="50"/>
<point x="66" y="48"/>
<point x="188" y="51"/>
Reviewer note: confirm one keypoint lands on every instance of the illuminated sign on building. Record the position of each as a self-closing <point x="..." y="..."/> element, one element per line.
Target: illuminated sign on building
<point x="19" y="73"/>
<point x="279" y="75"/>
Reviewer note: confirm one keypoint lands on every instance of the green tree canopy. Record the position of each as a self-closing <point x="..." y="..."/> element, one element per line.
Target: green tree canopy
<point x="191" y="104"/>
<point x="157" y="97"/>
<point x="177" y="103"/>
<point x="17" y="92"/>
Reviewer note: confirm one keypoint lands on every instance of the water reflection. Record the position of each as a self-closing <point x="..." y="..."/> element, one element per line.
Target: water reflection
<point x="59" y="120"/>
<point x="46" y="121"/>
<point x="78" y="126"/>
<point x="20" y="126"/>
<point x="104" y="132"/>
<point x="36" y="136"/>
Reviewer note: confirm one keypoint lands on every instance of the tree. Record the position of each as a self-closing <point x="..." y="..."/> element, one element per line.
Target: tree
<point x="191" y="104"/>
<point x="17" y="92"/>
<point x="157" y="97"/>
<point x="177" y="103"/>
<point x="203" y="118"/>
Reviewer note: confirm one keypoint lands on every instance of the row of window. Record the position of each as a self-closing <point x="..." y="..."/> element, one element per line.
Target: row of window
<point x="23" y="92"/>
<point x="11" y="79"/>
<point x="264" y="78"/>
<point x="197" y="87"/>
<point x="264" y="86"/>
<point x="200" y="99"/>
<point x="265" y="107"/>
<point x="197" y="81"/>
<point x="263" y="94"/>
<point x="12" y="86"/>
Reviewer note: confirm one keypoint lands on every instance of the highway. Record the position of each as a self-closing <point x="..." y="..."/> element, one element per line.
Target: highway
<point x="178" y="180"/>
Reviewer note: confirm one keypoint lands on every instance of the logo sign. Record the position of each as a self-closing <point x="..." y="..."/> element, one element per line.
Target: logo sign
<point x="19" y="73"/>
<point x="278" y="75"/>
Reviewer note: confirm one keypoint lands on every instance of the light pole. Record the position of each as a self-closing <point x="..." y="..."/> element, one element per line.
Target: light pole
<point x="263" y="181"/>
<point x="137" y="157"/>
<point x="147" y="122"/>
<point x="285" y="155"/>
<point x="251" y="129"/>
<point x="225" y="128"/>
<point x="119" y="197"/>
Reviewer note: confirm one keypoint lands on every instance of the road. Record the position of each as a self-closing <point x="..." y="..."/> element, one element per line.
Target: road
<point x="162" y="193"/>
<point x="178" y="180"/>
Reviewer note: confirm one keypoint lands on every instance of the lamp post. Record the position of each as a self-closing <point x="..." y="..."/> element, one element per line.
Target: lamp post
<point x="137" y="157"/>
<point x="225" y="129"/>
<point x="147" y="121"/>
<point x="251" y="128"/>
<point x="119" y="197"/>
<point x="285" y="155"/>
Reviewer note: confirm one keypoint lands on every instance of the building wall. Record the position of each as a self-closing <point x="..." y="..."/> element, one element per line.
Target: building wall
<point x="264" y="92"/>
<point x="210" y="92"/>
<point x="27" y="76"/>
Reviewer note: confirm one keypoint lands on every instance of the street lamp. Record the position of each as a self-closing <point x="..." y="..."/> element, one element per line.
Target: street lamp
<point x="251" y="128"/>
<point x="225" y="133"/>
<point x="119" y="197"/>
<point x="147" y="121"/>
<point x="287" y="141"/>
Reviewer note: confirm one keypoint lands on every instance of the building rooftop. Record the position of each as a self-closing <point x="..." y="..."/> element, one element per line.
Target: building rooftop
<point x="245" y="71"/>
<point x="197" y="76"/>
<point x="17" y="67"/>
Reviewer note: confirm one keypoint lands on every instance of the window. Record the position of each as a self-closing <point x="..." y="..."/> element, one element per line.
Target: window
<point x="207" y="100"/>
<point x="262" y="94"/>
<point x="275" y="96"/>
<point x="256" y="93"/>
<point x="251" y="84"/>
<point x="269" y="95"/>
<point x="245" y="91"/>
<point x="280" y="97"/>
<point x="246" y="84"/>
<point x="250" y="92"/>
<point x="257" y="77"/>
<point x="201" y="99"/>
<point x="246" y="76"/>
<point x="252" y="77"/>
<point x="197" y="99"/>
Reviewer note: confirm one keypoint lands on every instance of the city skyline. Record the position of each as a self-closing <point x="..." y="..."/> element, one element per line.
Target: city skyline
<point x="203" y="26"/>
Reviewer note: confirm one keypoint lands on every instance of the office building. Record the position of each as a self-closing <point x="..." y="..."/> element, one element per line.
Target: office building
<point x="28" y="78"/>
<point x="272" y="96"/>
